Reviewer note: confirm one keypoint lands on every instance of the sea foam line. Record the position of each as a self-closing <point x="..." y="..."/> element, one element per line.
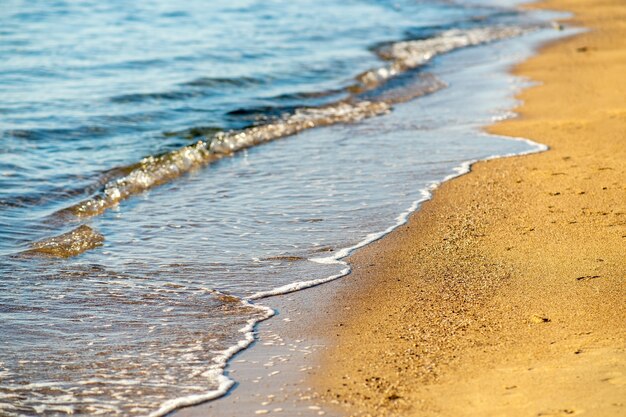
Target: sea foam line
<point x="426" y="194"/>
<point x="220" y="362"/>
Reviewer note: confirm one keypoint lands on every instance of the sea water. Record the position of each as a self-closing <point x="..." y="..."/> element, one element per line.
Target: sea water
<point x="164" y="167"/>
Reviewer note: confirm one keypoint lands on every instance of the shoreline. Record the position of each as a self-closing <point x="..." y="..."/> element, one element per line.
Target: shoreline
<point x="485" y="302"/>
<point x="251" y="379"/>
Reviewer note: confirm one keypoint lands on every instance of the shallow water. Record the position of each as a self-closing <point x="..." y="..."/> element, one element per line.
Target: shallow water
<point x="208" y="221"/>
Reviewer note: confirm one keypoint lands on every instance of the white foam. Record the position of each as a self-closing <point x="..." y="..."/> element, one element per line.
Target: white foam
<point x="216" y="371"/>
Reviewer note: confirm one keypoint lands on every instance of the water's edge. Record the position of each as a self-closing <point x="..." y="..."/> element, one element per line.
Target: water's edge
<point x="250" y="331"/>
<point x="226" y="384"/>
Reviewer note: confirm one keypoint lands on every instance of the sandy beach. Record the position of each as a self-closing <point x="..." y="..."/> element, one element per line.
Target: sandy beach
<point x="504" y="294"/>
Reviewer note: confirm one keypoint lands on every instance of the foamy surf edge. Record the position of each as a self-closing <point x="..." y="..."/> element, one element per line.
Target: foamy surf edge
<point x="217" y="370"/>
<point x="426" y="194"/>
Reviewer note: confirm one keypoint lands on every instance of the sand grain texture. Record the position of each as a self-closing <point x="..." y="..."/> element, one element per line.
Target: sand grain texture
<point x="504" y="295"/>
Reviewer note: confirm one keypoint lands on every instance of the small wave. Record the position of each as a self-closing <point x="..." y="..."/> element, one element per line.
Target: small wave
<point x="262" y="112"/>
<point x="404" y="87"/>
<point x="68" y="244"/>
<point x="221" y="82"/>
<point x="62" y="134"/>
<point x="163" y="96"/>
<point x="282" y="121"/>
<point x="410" y="54"/>
<point x="194" y="132"/>
<point x="406" y="55"/>
<point x="156" y="170"/>
<point x="307" y="95"/>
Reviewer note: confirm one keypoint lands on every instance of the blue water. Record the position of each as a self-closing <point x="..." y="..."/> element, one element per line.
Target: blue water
<point x="88" y="86"/>
<point x="138" y="323"/>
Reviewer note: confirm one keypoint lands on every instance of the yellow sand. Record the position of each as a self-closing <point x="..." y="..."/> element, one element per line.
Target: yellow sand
<point x="506" y="294"/>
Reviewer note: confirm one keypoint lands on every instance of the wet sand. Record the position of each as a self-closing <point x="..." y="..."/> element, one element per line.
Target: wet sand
<point x="504" y="295"/>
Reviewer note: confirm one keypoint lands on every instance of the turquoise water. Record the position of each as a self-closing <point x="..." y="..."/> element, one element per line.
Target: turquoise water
<point x="155" y="127"/>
